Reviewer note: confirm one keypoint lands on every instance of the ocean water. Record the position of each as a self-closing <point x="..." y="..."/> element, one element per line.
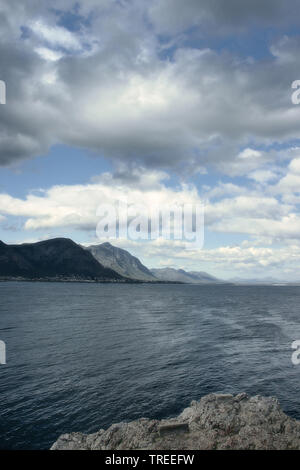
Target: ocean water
<point x="83" y="356"/>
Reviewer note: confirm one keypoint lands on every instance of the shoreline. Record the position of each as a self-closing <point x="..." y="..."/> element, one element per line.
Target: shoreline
<point x="108" y="281"/>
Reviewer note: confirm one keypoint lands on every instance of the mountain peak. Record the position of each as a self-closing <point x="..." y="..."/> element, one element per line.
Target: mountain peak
<point x="107" y="245"/>
<point x="120" y="261"/>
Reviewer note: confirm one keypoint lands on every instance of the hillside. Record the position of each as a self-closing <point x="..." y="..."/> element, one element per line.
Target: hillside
<point x="51" y="259"/>
<point x="121" y="261"/>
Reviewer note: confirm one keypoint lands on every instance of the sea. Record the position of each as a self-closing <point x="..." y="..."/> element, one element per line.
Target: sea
<point x="82" y="356"/>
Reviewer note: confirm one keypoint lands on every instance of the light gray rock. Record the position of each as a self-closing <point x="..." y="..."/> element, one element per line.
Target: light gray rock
<point x="214" y="422"/>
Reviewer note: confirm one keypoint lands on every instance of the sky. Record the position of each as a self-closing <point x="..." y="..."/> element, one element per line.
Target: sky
<point x="155" y="102"/>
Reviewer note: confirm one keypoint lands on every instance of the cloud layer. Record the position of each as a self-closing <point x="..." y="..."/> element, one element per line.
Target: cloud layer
<point x="108" y="83"/>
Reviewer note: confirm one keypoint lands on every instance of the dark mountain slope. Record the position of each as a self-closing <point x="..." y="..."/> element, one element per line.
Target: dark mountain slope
<point x="56" y="258"/>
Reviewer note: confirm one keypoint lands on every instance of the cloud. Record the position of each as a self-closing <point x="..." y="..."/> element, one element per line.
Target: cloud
<point x="48" y="54"/>
<point x="112" y="93"/>
<point x="289" y="184"/>
<point x="263" y="176"/>
<point x="55" y="35"/>
<point x="215" y="17"/>
<point x="247" y="160"/>
<point x="228" y="208"/>
<point x="75" y="206"/>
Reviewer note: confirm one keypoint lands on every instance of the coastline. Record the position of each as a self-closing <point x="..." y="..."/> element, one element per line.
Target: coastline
<point x="106" y="281"/>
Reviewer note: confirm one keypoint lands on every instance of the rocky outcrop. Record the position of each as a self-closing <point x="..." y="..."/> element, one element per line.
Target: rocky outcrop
<point x="214" y="422"/>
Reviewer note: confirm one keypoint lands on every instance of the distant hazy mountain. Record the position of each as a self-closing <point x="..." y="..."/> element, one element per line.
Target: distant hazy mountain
<point x="179" y="275"/>
<point x="52" y="259"/>
<point x="120" y="261"/>
<point x="266" y="280"/>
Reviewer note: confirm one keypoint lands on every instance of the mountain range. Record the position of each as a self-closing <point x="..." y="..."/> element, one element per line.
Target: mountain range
<point x="131" y="267"/>
<point x="63" y="259"/>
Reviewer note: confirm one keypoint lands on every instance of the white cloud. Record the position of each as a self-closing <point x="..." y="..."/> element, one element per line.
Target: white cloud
<point x="290" y="183"/>
<point x="263" y="176"/>
<point x="249" y="153"/>
<point x="55" y="35"/>
<point x="294" y="166"/>
<point x="224" y="189"/>
<point x="49" y="54"/>
<point x="246" y="161"/>
<point x="247" y="206"/>
<point x="75" y="206"/>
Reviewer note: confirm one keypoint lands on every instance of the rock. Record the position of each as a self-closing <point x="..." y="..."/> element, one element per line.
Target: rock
<point x="214" y="422"/>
